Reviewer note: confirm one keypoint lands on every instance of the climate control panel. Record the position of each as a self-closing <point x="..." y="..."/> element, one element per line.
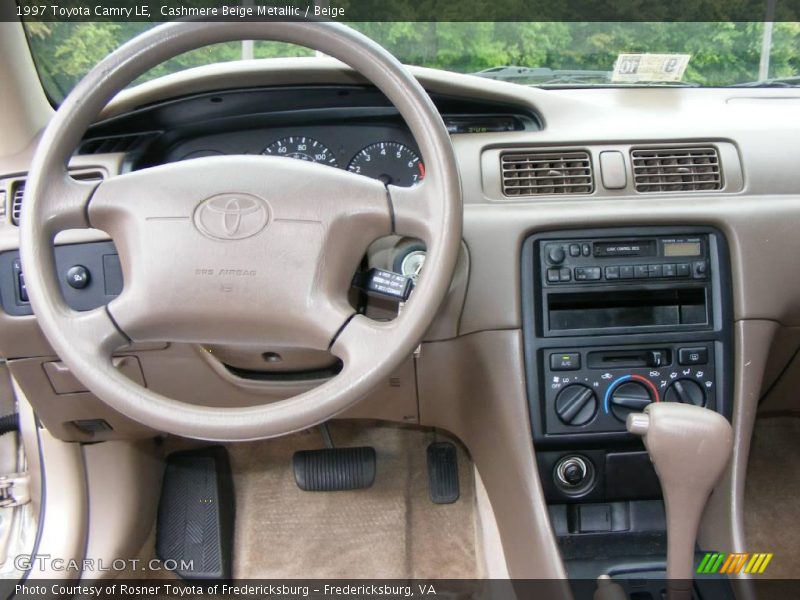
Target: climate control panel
<point x="593" y="390"/>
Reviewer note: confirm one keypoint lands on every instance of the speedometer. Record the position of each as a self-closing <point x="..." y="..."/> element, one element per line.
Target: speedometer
<point x="302" y="148"/>
<point x="391" y="162"/>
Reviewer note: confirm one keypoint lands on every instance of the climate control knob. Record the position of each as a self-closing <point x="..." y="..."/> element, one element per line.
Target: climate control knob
<point x="629" y="397"/>
<point x="576" y="404"/>
<point x="686" y="391"/>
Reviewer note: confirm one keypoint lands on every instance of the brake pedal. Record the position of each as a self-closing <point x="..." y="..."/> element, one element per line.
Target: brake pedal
<point x="334" y="469"/>
<point x="196" y="514"/>
<point x="443" y="473"/>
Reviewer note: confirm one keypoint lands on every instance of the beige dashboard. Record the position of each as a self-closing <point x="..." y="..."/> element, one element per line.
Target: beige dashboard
<point x="756" y="208"/>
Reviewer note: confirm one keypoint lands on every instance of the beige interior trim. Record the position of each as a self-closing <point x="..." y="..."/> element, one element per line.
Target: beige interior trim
<point x="722" y="526"/>
<point x="64" y="514"/>
<point x="124" y="483"/>
<point x="495" y="559"/>
<point x="25" y="106"/>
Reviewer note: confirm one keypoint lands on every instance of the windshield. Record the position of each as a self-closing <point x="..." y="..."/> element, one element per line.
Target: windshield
<point x="550" y="54"/>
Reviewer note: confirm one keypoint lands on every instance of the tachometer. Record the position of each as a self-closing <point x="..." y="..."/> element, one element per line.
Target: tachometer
<point x="302" y="148"/>
<point x="391" y="162"/>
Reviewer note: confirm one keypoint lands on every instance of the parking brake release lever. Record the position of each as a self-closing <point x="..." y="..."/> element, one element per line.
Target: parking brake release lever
<point x="689" y="446"/>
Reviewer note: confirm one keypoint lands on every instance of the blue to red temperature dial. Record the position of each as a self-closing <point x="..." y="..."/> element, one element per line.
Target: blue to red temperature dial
<point x="629" y="393"/>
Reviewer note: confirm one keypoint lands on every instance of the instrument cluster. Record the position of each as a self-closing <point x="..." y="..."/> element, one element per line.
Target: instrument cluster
<point x="386" y="153"/>
<point x="391" y="162"/>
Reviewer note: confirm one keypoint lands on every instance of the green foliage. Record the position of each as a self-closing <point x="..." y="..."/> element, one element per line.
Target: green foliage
<point x="721" y="53"/>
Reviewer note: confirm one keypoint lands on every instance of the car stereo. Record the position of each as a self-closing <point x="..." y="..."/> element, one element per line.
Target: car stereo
<point x="599" y="285"/>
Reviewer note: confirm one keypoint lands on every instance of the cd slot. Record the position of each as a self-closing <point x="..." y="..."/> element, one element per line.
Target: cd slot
<point x="600" y="310"/>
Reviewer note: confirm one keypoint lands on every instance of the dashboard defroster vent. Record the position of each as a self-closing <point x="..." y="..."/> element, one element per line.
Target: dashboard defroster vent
<point x="691" y="169"/>
<point x="547" y="172"/>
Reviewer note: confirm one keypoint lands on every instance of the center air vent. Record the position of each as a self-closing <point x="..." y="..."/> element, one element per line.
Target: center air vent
<point x="541" y="173"/>
<point x="676" y="169"/>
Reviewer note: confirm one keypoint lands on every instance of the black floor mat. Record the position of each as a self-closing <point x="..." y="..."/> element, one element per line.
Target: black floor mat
<point x="196" y="513"/>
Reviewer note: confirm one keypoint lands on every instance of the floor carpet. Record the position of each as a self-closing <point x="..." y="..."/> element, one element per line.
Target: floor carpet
<point x="772" y="495"/>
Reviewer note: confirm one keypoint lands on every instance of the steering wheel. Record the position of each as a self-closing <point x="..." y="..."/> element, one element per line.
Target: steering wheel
<point x="245" y="250"/>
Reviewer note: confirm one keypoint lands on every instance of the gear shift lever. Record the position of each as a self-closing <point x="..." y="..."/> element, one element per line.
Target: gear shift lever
<point x="689" y="447"/>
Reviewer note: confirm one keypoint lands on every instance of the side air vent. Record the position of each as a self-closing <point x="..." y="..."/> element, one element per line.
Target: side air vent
<point x="542" y="173"/>
<point x="18" y="191"/>
<point x="676" y="169"/>
<point x="118" y="143"/>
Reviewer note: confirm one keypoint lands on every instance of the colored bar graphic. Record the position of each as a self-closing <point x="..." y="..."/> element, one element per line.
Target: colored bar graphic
<point x="731" y="564"/>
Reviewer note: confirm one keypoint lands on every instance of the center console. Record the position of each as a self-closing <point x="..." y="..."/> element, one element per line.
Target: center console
<point x="614" y="319"/>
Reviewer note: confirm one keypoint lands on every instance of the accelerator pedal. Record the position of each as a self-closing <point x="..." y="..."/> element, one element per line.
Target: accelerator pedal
<point x="334" y="469"/>
<point x="196" y="513"/>
<point x="443" y="473"/>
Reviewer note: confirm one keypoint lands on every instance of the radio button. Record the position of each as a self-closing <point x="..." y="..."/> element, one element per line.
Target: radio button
<point x="683" y="270"/>
<point x="586" y="249"/>
<point x="669" y="270"/>
<point x="641" y="271"/>
<point x="587" y="273"/>
<point x="556" y="255"/>
<point x="564" y="274"/>
<point x="653" y="271"/>
<point x="553" y="275"/>
<point x="574" y="250"/>
<point x="699" y="269"/>
<point x="626" y="272"/>
<point x="612" y="272"/>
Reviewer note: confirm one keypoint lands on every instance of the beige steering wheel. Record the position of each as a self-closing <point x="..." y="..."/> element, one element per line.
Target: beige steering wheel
<point x="243" y="250"/>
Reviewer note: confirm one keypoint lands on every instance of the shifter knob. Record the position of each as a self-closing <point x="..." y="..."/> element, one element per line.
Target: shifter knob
<point x="689" y="447"/>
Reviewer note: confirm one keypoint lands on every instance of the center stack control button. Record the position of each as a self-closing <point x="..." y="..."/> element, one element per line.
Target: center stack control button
<point x="556" y="255"/>
<point x="587" y="273"/>
<point x="692" y="356"/>
<point x="565" y="361"/>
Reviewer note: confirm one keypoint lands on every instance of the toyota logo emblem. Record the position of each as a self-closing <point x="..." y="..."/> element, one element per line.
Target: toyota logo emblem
<point x="231" y="216"/>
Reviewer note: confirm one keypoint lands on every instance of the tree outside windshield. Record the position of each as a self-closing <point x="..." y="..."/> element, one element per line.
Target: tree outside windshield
<point x="721" y="54"/>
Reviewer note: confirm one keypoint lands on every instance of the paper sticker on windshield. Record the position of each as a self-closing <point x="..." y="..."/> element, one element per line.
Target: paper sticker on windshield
<point x="635" y="68"/>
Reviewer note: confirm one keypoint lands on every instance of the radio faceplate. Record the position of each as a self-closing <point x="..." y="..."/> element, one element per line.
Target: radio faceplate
<point x="624" y="260"/>
<point x="602" y="285"/>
